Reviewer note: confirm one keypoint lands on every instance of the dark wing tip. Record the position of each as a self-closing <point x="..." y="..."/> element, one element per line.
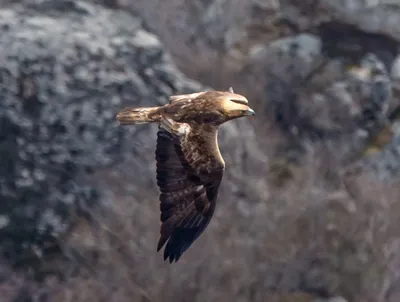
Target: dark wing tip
<point x="170" y="252"/>
<point x="161" y="243"/>
<point x="173" y="251"/>
<point x="171" y="257"/>
<point x="181" y="239"/>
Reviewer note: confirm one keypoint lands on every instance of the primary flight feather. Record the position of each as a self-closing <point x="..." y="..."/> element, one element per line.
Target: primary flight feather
<point x="189" y="164"/>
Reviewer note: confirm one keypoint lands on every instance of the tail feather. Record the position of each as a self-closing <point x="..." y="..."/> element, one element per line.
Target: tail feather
<point x="132" y="116"/>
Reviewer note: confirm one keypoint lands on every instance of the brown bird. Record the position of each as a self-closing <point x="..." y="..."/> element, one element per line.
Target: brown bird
<point x="189" y="164"/>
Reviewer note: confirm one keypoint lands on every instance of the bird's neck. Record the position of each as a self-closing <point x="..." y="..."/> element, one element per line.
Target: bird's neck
<point x="209" y="129"/>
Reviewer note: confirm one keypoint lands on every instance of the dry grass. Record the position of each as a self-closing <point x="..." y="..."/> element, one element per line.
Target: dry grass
<point x="307" y="235"/>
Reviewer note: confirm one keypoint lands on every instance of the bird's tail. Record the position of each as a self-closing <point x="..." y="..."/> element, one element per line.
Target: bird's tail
<point x="132" y="116"/>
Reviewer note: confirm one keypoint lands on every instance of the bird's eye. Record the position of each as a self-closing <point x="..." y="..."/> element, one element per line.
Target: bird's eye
<point x="239" y="101"/>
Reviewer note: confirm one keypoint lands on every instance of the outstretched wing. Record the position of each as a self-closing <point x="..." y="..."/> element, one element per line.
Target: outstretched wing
<point x="187" y="199"/>
<point x="184" y="97"/>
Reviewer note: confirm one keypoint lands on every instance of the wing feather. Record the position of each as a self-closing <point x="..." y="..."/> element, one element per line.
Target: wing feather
<point x="184" y="97"/>
<point x="187" y="199"/>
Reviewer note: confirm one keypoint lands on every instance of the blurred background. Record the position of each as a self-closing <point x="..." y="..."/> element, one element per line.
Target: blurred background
<point x="309" y="207"/>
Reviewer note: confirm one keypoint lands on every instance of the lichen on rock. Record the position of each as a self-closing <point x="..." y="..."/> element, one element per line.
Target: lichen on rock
<point x="63" y="75"/>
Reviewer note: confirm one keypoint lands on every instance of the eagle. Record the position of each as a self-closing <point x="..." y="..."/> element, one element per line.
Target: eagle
<point x="189" y="165"/>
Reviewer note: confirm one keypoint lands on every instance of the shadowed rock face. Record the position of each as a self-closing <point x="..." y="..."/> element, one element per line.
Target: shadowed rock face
<point x="66" y="70"/>
<point x="292" y="58"/>
<point x="62" y="78"/>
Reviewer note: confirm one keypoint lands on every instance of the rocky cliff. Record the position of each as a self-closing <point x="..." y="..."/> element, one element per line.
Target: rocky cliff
<point x="308" y="207"/>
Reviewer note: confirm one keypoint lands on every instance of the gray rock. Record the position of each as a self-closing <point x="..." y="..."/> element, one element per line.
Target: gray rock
<point x="248" y="41"/>
<point x="308" y="91"/>
<point x="68" y="67"/>
<point x="233" y="28"/>
<point x="63" y="76"/>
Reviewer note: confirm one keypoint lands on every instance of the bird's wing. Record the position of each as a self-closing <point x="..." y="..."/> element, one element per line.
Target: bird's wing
<point x="184" y="97"/>
<point x="188" y="194"/>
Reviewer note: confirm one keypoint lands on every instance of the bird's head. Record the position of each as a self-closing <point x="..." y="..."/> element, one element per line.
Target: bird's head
<point x="209" y="107"/>
<point x="233" y="105"/>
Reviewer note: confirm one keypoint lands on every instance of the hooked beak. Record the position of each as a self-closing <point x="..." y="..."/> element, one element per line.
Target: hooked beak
<point x="250" y="111"/>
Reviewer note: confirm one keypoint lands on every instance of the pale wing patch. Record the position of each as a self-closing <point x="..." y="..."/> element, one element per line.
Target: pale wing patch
<point x="202" y="155"/>
<point x="173" y="127"/>
<point x="198" y="189"/>
<point x="183" y="129"/>
<point x="218" y="152"/>
<point x="188" y="97"/>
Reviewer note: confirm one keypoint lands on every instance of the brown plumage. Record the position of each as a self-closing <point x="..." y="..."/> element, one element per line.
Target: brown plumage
<point x="189" y="164"/>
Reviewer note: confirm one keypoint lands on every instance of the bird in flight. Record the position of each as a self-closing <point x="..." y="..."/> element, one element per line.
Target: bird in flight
<point x="189" y="164"/>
